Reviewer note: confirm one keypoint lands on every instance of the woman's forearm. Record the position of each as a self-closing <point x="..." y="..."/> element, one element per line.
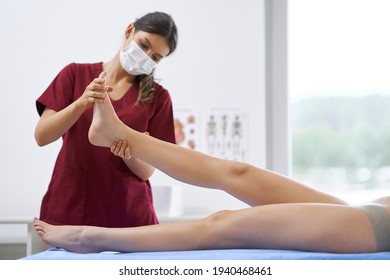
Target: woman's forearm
<point x="140" y="168"/>
<point x="53" y="125"/>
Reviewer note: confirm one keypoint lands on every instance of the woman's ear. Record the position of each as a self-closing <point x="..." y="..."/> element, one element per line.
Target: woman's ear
<point x="129" y="30"/>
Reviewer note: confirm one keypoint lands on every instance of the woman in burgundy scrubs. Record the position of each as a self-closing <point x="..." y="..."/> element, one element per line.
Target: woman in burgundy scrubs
<point x="91" y="185"/>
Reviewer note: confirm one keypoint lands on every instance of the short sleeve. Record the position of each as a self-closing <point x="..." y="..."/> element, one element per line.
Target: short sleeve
<point x="59" y="93"/>
<point x="161" y="124"/>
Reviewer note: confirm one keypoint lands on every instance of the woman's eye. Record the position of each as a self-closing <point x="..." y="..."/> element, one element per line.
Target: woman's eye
<point x="144" y="46"/>
<point x="155" y="59"/>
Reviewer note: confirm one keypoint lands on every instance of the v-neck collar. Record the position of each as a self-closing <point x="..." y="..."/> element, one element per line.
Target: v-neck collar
<point x="128" y="96"/>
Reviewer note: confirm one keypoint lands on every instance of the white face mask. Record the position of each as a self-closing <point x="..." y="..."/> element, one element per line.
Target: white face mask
<point x="135" y="61"/>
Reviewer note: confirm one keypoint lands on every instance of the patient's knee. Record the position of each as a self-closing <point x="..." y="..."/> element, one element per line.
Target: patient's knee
<point x="219" y="217"/>
<point x="215" y="228"/>
<point x="237" y="169"/>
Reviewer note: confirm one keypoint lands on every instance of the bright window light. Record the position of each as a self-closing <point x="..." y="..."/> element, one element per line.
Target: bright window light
<point x="339" y="86"/>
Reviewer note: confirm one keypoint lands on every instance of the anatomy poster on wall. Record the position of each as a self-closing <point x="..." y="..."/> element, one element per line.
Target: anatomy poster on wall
<point x="223" y="133"/>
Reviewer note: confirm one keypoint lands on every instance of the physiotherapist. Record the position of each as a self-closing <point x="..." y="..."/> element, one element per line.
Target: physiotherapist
<point x="92" y="185"/>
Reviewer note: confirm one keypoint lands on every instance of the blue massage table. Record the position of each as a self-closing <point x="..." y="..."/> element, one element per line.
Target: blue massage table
<point x="231" y="254"/>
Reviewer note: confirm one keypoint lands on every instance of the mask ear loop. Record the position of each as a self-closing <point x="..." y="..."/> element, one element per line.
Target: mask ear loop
<point x="132" y="34"/>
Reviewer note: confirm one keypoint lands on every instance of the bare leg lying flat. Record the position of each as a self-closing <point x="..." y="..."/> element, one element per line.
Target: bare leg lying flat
<point x="252" y="185"/>
<point x="308" y="227"/>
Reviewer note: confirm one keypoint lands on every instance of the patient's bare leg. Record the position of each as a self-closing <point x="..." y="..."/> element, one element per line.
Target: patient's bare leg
<point x="295" y="226"/>
<point x="89" y="239"/>
<point x="255" y="186"/>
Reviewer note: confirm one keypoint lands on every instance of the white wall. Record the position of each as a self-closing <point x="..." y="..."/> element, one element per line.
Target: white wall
<point x="219" y="63"/>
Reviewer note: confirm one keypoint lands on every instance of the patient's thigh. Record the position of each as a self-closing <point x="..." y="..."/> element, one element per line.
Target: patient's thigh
<point x="299" y="226"/>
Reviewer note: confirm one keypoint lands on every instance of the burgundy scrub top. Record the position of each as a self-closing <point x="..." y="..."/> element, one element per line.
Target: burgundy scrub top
<point x="89" y="184"/>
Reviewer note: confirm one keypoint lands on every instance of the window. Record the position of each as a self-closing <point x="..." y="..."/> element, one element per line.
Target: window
<point x="339" y="88"/>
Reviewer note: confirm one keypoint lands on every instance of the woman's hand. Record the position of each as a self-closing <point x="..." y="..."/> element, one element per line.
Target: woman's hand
<point x="121" y="149"/>
<point x="141" y="169"/>
<point x="95" y="92"/>
<point x="52" y="124"/>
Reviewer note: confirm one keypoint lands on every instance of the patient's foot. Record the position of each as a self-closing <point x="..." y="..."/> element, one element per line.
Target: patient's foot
<point x="70" y="238"/>
<point x="105" y="127"/>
